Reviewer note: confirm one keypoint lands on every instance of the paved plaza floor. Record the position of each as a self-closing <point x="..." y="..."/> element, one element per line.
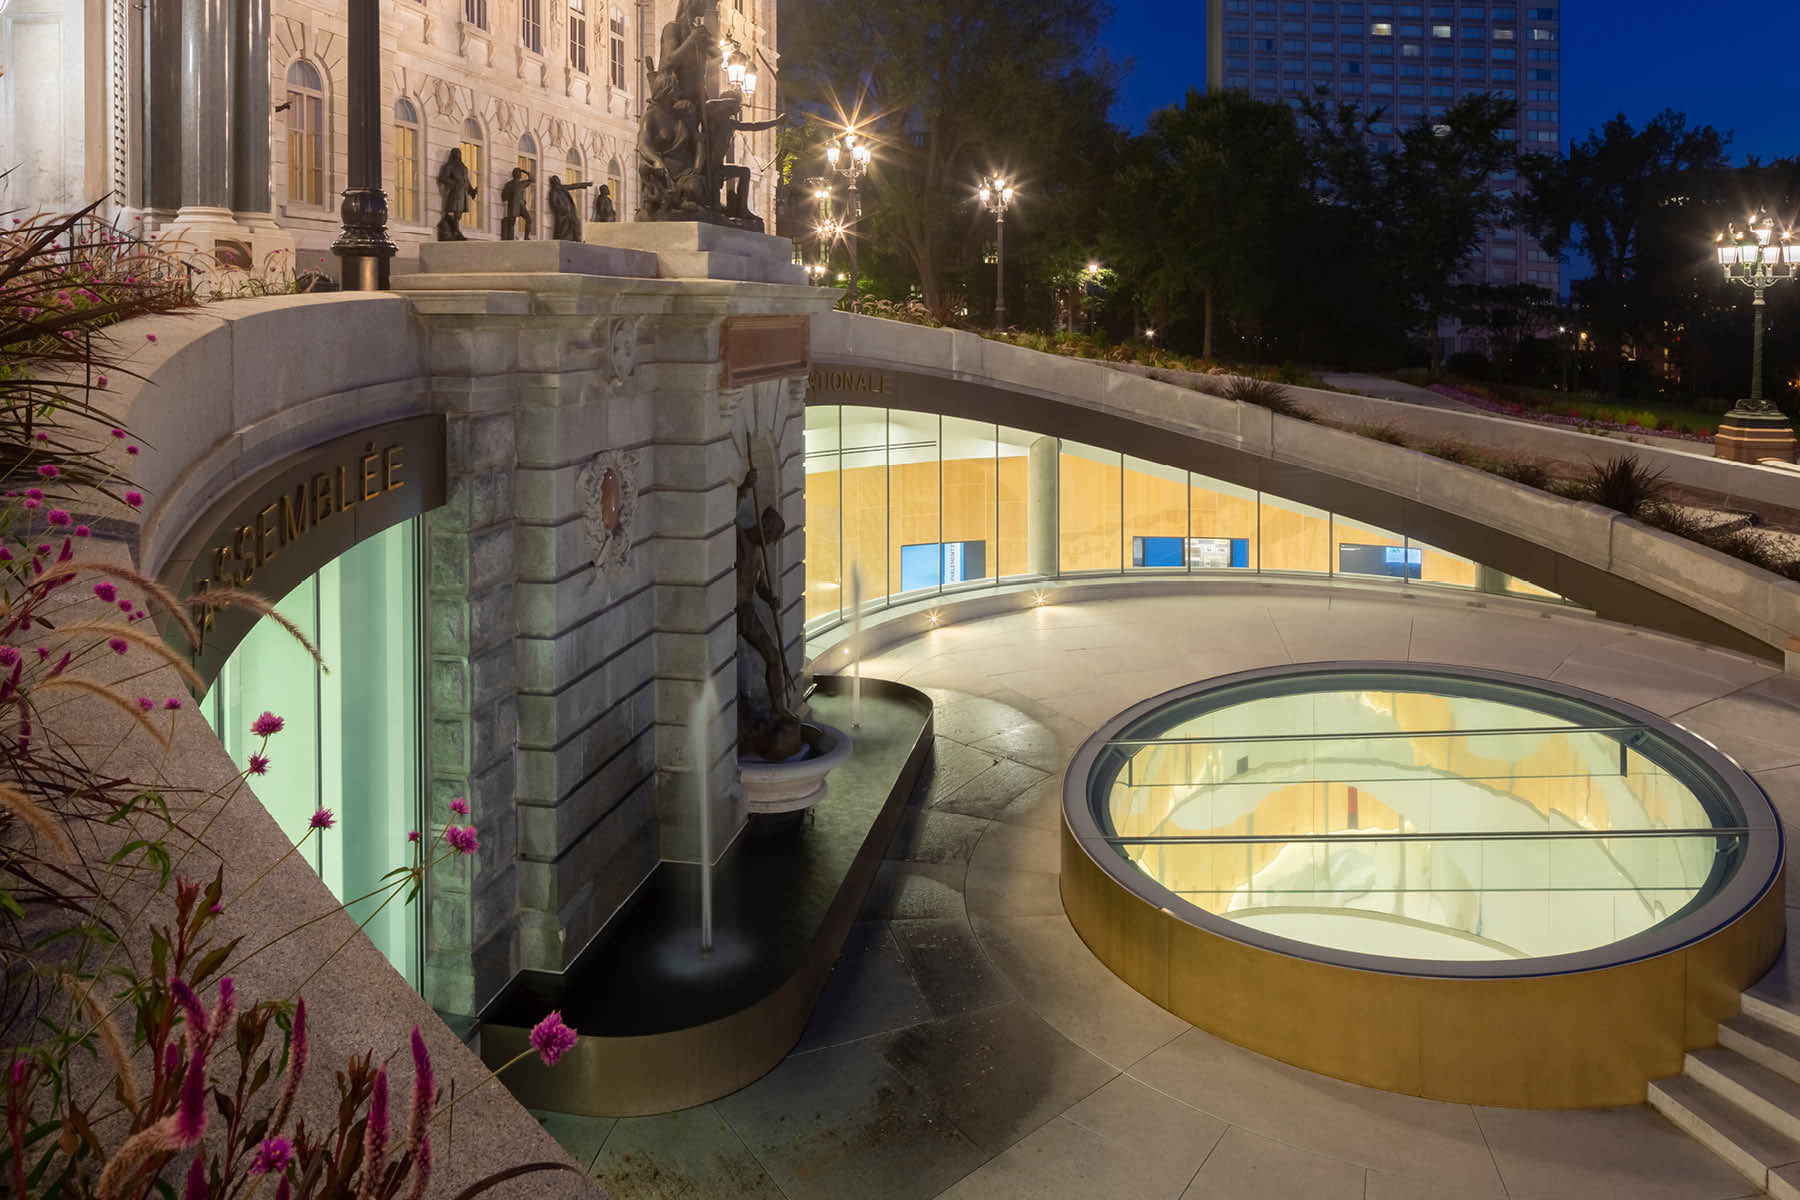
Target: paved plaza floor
<point x="969" y="1045"/>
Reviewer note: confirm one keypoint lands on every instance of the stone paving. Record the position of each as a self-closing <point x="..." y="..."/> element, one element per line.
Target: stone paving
<point x="968" y="1044"/>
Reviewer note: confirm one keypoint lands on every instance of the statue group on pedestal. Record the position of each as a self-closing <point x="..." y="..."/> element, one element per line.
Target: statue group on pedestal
<point x="684" y="146"/>
<point x="685" y="136"/>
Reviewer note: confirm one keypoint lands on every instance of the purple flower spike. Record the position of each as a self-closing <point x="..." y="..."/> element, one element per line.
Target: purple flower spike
<point x="272" y="1157"/>
<point x="375" y="1133"/>
<point x="551" y="1038"/>
<point x="196" y="1188"/>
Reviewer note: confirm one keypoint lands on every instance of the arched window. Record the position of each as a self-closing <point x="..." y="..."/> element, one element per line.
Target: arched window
<point x="528" y="163"/>
<point x="615" y="30"/>
<point x="406" y="162"/>
<point x="306" y="134"/>
<point x="572" y="172"/>
<point x="615" y="183"/>
<point x="471" y="155"/>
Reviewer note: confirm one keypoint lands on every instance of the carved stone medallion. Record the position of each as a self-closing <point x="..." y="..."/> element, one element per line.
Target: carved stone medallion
<point x="608" y="487"/>
<point x="618" y="338"/>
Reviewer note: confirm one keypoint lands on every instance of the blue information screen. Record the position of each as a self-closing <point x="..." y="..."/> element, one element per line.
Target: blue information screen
<point x="928" y="564"/>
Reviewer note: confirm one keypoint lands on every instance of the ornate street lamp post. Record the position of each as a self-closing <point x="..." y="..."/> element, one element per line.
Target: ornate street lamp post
<point x="849" y="157"/>
<point x="1757" y="256"/>
<point x="996" y="194"/>
<point x="830" y="230"/>
<point x="364" y="247"/>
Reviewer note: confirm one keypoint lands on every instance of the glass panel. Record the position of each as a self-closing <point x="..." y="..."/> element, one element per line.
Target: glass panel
<point x="1221" y="523"/>
<point x="970" y="475"/>
<point x="1088" y="483"/>
<point x="1295" y="537"/>
<point x="915" y="534"/>
<point x="1023" y="473"/>
<point x="1369" y="550"/>
<point x="1156" y="515"/>
<point x="351" y="738"/>
<point x="864" y="498"/>
<point x="1468" y="900"/>
<point x="824" y="496"/>
<point x="1441" y="566"/>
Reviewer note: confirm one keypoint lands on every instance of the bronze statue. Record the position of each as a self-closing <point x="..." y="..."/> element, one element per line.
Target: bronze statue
<point x="603" y="204"/>
<point x="515" y="197"/>
<point x="565" y="216"/>
<point x="456" y="192"/>
<point x="685" y="135"/>
<point x="767" y="727"/>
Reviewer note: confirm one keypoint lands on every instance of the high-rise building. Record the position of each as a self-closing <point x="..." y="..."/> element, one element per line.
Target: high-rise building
<point x="1404" y="63"/>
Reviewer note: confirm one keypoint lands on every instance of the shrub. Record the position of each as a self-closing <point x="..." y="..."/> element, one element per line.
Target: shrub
<point x="1469" y="365"/>
<point x="1525" y="471"/>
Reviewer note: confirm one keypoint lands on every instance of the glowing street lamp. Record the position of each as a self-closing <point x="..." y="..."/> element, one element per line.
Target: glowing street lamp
<point x="1759" y="256"/>
<point x="1756" y="257"/>
<point x="996" y="194"/>
<point x="848" y="155"/>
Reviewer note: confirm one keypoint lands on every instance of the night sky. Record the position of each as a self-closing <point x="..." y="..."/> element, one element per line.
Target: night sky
<point x="1718" y="64"/>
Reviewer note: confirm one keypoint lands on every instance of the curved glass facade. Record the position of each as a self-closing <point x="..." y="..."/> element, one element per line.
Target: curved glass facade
<point x="1416" y="815"/>
<point x="351" y="738"/>
<point x="919" y="504"/>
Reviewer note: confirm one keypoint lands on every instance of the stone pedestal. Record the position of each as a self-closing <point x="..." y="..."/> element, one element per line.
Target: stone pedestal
<point x="604" y="402"/>
<point x="1752" y="437"/>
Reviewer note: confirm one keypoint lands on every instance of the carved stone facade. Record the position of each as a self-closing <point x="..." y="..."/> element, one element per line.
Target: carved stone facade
<point x="87" y="98"/>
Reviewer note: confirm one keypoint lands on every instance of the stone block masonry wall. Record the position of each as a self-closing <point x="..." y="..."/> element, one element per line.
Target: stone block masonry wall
<point x="565" y="651"/>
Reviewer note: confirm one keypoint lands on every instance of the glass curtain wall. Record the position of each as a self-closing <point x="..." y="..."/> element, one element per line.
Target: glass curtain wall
<point x="351" y="740"/>
<point x="915" y="504"/>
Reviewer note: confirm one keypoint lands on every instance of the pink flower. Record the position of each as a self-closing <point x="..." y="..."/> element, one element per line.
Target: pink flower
<point x="119" y="645"/>
<point x="58" y="516"/>
<point x="460" y="807"/>
<point x="106" y="591"/>
<point x="259" y="764"/>
<point x="149" y="337"/>
<point x="30" y="503"/>
<point x="42" y="437"/>
<point x="8" y="656"/>
<point x="424" y="1095"/>
<point x="135" y="499"/>
<point x="196" y="1188"/>
<point x="82" y="531"/>
<point x="35" y="493"/>
<point x="551" y="1038"/>
<point x="49" y="470"/>
<point x="172" y="703"/>
<point x="412" y="835"/>
<point x="146" y="703"/>
<point x="267" y="725"/>
<point x="100" y="381"/>
<point x="124" y="605"/>
<point x="131" y="449"/>
<point x="272" y="1157"/>
<point x="462" y="839"/>
<point x="118" y="433"/>
<point x="322" y="818"/>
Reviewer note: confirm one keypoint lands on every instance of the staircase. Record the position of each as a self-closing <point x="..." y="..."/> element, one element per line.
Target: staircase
<point x="1741" y="1098"/>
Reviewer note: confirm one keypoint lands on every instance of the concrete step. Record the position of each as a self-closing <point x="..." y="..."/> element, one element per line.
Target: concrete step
<point x="1769" y="1097"/>
<point x="1771" y="1046"/>
<point x="1752" y="1147"/>
<point x="1770" y="1013"/>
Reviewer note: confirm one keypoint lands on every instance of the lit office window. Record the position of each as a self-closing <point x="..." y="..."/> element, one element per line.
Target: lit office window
<point x="471" y="147"/>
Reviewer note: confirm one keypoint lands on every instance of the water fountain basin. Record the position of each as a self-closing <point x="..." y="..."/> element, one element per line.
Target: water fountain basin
<point x="794" y="784"/>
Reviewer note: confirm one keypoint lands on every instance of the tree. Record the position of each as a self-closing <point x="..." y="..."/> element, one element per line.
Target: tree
<point x="1598" y="201"/>
<point x="951" y="89"/>
<point x="1212" y="190"/>
<point x="1435" y="201"/>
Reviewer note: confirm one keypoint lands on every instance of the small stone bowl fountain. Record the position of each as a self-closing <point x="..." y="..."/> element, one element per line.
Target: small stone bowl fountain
<point x="796" y="783"/>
